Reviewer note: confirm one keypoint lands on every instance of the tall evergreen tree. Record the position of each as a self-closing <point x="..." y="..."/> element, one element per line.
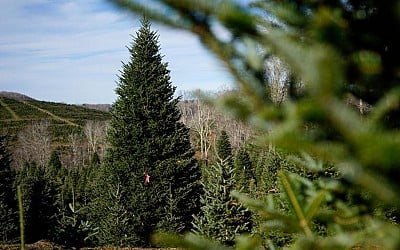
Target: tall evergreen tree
<point x="147" y="139"/>
<point x="8" y="214"/>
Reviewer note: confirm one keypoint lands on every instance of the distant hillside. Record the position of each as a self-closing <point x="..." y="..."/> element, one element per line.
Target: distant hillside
<point x="15" y="96"/>
<point x="17" y="111"/>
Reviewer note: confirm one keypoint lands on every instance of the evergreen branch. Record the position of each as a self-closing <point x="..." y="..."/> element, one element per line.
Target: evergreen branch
<point x="368" y="180"/>
<point x="295" y="203"/>
<point x="314" y="205"/>
<point x="196" y="242"/>
<point x="228" y="54"/>
<point x="189" y="241"/>
<point x="156" y="15"/>
<point x="267" y="212"/>
<point x="388" y="102"/>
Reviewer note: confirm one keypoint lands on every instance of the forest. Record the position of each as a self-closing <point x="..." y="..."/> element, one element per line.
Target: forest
<point x="301" y="154"/>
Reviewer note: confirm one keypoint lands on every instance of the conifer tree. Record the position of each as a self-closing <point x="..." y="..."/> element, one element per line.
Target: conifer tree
<point x="39" y="195"/>
<point x="95" y="159"/>
<point x="55" y="167"/>
<point x="8" y="215"/>
<point x="224" y="148"/>
<point x="245" y="175"/>
<point x="221" y="218"/>
<point x="147" y="139"/>
<point x="54" y="161"/>
<point x="74" y="229"/>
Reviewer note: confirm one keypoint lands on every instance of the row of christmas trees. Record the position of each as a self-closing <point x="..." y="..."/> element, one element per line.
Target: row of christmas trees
<point x="85" y="206"/>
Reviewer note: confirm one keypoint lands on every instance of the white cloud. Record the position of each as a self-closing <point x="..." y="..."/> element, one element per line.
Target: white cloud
<point x="71" y="51"/>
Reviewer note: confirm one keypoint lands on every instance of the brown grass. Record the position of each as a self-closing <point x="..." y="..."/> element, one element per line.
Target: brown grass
<point x="45" y="245"/>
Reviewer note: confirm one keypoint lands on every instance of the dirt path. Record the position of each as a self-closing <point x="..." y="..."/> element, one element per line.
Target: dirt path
<point x="13" y="114"/>
<point x="56" y="117"/>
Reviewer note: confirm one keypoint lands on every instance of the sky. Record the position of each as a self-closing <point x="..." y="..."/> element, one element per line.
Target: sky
<point x="71" y="51"/>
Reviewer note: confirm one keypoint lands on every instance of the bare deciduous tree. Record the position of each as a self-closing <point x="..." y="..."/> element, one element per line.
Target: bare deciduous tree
<point x="76" y="156"/>
<point x="95" y="132"/>
<point x="277" y="79"/>
<point x="34" y="144"/>
<point x="206" y="122"/>
<point x="199" y="117"/>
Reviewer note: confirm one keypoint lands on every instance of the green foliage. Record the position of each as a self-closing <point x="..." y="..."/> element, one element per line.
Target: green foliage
<point x="22" y="110"/>
<point x="5" y="110"/>
<point x="74" y="228"/>
<point x="39" y="201"/>
<point x="108" y="210"/>
<point x="267" y="163"/>
<point x="95" y="159"/>
<point x="222" y="218"/>
<point x="71" y="112"/>
<point x="244" y="172"/>
<point x="54" y="202"/>
<point x="7" y="175"/>
<point x="8" y="224"/>
<point x="146" y="137"/>
<point x="333" y="49"/>
<point x="224" y="148"/>
<point x="4" y="113"/>
<point x="8" y="208"/>
<point x="55" y="164"/>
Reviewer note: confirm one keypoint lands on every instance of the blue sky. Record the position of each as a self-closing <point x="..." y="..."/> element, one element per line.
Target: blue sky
<point x="71" y="51"/>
